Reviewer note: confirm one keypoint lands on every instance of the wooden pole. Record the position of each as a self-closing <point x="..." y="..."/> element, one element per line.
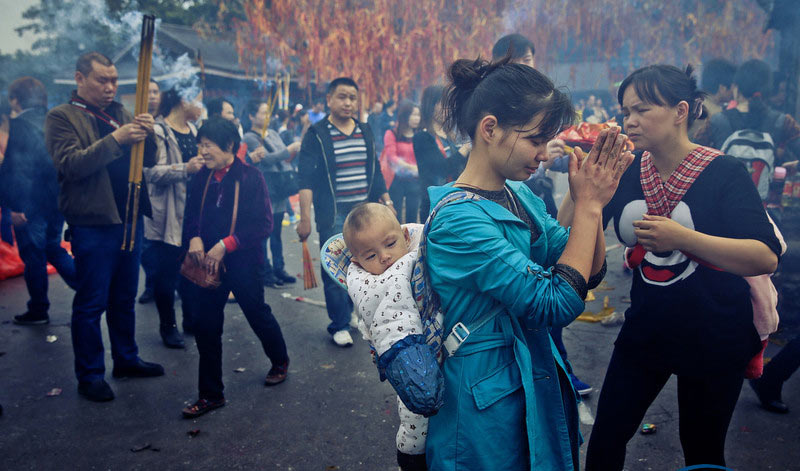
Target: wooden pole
<point x="137" y="151"/>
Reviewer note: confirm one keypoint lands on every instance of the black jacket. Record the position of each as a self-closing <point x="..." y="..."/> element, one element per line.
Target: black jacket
<point x="317" y="171"/>
<point x="28" y="178"/>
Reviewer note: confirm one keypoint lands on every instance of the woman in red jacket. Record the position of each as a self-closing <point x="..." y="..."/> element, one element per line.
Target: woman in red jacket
<point x="398" y="149"/>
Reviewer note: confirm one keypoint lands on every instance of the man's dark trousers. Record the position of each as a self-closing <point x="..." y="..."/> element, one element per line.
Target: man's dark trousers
<point x="39" y="242"/>
<point x="108" y="278"/>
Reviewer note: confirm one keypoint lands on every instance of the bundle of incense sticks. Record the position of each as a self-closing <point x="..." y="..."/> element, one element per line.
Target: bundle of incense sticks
<point x="137" y="151"/>
<point x="309" y="279"/>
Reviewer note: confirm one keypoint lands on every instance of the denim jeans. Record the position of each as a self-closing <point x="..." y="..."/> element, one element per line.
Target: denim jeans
<point x="246" y="284"/>
<point x="168" y="260"/>
<point x="149" y="264"/>
<point x="275" y="243"/>
<point x="39" y="242"/>
<point x="406" y="189"/>
<point x="107" y="280"/>
<point x="337" y="301"/>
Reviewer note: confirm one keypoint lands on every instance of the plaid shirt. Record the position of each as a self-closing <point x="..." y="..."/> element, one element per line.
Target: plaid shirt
<point x="662" y="198"/>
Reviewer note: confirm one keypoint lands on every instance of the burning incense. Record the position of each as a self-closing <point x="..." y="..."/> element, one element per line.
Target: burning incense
<point x="137" y="152"/>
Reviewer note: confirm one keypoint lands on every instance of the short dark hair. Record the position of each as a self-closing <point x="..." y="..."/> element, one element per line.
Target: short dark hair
<point x="666" y="85"/>
<point x="754" y="81"/>
<point x="515" y="45"/>
<point x="84" y="63"/>
<point x="29" y="92"/>
<point x="717" y="72"/>
<point x="341" y="81"/>
<point x="169" y="100"/>
<point x="514" y="93"/>
<point x="214" y="106"/>
<point x="221" y="132"/>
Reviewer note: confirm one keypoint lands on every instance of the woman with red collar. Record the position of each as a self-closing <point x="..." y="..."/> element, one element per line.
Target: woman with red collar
<point x="213" y="238"/>
<point x="695" y="226"/>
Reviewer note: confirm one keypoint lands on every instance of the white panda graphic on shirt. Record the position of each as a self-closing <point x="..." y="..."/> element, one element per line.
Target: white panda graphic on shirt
<point x="664" y="268"/>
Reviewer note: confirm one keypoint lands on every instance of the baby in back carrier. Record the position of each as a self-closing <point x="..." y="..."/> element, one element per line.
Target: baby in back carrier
<point x="379" y="281"/>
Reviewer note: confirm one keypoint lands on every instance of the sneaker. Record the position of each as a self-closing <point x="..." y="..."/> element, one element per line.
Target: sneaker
<point x="201" y="407"/>
<point x="96" y="391"/>
<point x="30" y="318"/>
<point x="582" y="388"/>
<point x="284" y="277"/>
<point x="277" y="374"/>
<point x="285" y="223"/>
<point x="140" y="369"/>
<point x="146" y="297"/>
<point x="171" y="337"/>
<point x="343" y="338"/>
<point x="293" y="219"/>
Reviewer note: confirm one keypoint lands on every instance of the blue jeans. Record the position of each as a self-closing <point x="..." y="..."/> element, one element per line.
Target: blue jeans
<point x="149" y="264"/>
<point x="39" y="242"/>
<point x="337" y="301"/>
<point x="275" y="243"/>
<point x="108" y="278"/>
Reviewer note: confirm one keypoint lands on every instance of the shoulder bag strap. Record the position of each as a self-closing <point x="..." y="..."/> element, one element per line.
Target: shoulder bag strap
<point x="203" y="201"/>
<point x="235" y="206"/>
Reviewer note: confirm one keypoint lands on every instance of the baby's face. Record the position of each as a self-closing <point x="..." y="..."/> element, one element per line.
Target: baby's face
<point x="377" y="247"/>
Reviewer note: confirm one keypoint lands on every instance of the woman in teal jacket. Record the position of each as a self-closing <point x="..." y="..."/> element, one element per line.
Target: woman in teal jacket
<point x="508" y="402"/>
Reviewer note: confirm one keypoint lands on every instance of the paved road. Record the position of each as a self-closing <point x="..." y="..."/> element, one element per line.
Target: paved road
<point x="332" y="413"/>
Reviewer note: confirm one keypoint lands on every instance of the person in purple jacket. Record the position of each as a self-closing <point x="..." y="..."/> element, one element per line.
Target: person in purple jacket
<point x="208" y="236"/>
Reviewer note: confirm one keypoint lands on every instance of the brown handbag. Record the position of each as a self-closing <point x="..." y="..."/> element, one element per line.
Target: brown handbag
<point x="196" y="272"/>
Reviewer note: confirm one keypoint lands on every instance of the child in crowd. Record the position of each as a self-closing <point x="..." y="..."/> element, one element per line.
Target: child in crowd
<point x="380" y="284"/>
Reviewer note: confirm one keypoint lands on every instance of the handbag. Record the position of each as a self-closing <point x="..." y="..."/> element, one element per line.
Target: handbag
<point x="281" y="184"/>
<point x="196" y="272"/>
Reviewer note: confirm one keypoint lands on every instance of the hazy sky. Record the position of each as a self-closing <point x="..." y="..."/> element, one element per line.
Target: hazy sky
<point x="12" y="18"/>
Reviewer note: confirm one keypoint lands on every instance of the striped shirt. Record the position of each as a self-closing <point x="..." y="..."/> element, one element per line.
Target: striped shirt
<point x="351" y="165"/>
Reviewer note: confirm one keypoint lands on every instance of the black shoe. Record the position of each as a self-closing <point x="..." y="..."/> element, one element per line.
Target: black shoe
<point x="201" y="407"/>
<point x="171" y="337"/>
<point x="188" y="329"/>
<point x="769" y="396"/>
<point x="411" y="462"/>
<point x="30" y="318"/>
<point x="140" y="369"/>
<point x="97" y="391"/>
<point x="146" y="297"/>
<point x="284" y="277"/>
<point x="271" y="281"/>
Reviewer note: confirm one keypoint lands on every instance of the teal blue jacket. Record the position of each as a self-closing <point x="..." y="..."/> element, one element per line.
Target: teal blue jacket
<point x="505" y="388"/>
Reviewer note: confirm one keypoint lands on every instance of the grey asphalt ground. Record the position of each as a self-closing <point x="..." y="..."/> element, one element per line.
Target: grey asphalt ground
<point x="331" y="414"/>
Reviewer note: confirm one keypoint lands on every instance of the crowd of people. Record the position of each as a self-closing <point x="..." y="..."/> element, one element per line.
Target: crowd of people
<point x="504" y="267"/>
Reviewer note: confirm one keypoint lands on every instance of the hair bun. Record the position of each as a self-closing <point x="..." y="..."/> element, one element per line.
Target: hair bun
<point x="466" y="74"/>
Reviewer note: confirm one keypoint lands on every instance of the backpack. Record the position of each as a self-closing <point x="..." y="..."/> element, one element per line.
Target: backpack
<point x="415" y="377"/>
<point x="754" y="147"/>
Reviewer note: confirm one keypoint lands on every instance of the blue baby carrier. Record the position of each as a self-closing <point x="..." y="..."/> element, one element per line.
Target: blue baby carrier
<point x="412" y="364"/>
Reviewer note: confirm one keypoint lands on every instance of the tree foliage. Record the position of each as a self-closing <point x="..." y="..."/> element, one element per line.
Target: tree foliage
<point x="387" y="46"/>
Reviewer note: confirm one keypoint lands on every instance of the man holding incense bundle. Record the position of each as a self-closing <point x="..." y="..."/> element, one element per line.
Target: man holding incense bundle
<point x="338" y="169"/>
<point x="90" y="141"/>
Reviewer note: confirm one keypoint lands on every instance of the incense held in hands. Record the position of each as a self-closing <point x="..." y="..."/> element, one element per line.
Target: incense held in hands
<point x="137" y="151"/>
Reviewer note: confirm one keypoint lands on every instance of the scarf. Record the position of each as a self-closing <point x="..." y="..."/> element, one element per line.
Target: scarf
<point x="662" y="198"/>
